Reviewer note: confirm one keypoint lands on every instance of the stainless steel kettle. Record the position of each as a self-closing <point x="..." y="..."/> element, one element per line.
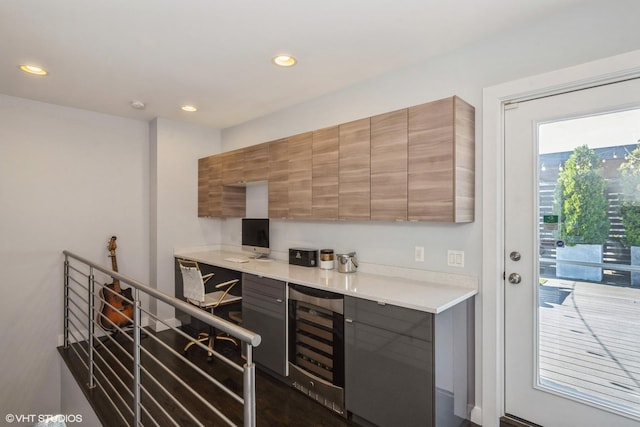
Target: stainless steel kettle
<point x="347" y="263"/>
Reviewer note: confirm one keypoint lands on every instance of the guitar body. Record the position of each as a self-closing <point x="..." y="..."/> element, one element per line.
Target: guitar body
<point x="115" y="310"/>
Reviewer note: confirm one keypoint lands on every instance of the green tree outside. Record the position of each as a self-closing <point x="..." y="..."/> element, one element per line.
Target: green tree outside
<point x="630" y="206"/>
<point x="581" y="200"/>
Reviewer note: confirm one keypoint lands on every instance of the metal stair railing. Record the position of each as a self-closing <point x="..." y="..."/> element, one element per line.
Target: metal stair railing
<point x="139" y="382"/>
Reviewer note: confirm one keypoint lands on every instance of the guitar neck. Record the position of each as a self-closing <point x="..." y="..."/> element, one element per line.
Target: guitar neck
<point x="114" y="262"/>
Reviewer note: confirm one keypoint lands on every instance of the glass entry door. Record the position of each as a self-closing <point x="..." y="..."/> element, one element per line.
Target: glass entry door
<point x="572" y="287"/>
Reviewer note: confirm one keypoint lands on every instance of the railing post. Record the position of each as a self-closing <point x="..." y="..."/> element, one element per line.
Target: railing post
<point x="249" y="389"/>
<point x="91" y="326"/>
<point x="66" y="301"/>
<point x="136" y="357"/>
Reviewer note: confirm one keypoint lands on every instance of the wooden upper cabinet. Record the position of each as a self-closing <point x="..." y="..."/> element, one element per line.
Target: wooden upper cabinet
<point x="389" y="166"/>
<point x="414" y="164"/>
<point x="256" y="162"/>
<point x="354" y="186"/>
<point x="324" y="182"/>
<point x="214" y="198"/>
<point x="233" y="167"/>
<point x="300" y="162"/>
<point x="279" y="179"/>
<point x="441" y="161"/>
<point x="204" y="184"/>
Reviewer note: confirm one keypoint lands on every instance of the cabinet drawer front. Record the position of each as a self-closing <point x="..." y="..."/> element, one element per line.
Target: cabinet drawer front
<point x="264" y="305"/>
<point x="263" y="286"/>
<point x="412" y="323"/>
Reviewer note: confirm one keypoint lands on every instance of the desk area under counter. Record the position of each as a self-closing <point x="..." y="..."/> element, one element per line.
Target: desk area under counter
<point x="408" y="341"/>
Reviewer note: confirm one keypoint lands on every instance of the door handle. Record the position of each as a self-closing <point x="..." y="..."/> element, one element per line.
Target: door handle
<point x="515" y="278"/>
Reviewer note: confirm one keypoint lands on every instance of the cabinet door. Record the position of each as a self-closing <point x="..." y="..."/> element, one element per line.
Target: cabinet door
<point x="256" y="162"/>
<point x="264" y="312"/>
<point x="234" y="201"/>
<point x="389" y="166"/>
<point x="210" y="186"/>
<point x="354" y="173"/>
<point x="279" y="179"/>
<point x="326" y="144"/>
<point x="388" y="352"/>
<point x="204" y="177"/>
<point x="233" y="167"/>
<point x="441" y="161"/>
<point x="300" y="174"/>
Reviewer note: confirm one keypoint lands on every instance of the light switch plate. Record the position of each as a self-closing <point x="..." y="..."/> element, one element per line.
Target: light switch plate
<point x="419" y="254"/>
<point x="455" y="258"/>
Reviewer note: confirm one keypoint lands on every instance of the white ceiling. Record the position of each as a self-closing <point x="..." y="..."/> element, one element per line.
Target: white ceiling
<point x="216" y="54"/>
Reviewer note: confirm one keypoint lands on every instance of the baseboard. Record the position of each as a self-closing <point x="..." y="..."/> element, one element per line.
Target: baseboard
<point x="476" y="415"/>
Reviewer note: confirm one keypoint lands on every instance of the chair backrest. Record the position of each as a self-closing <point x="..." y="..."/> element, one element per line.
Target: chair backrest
<point x="192" y="282"/>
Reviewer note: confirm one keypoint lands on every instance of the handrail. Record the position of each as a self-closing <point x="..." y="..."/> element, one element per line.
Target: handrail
<point x="128" y="395"/>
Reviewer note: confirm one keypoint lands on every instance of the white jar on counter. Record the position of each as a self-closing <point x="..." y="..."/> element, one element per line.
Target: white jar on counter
<point x="327" y="259"/>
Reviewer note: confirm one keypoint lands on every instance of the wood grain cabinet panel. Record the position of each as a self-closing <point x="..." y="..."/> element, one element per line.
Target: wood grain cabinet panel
<point x="300" y="174"/>
<point x="215" y="199"/>
<point x="203" y="187"/>
<point x="279" y="178"/>
<point x="234" y="201"/>
<point x="233" y="167"/>
<point x="354" y="189"/>
<point x="324" y="182"/>
<point x="256" y="162"/>
<point x="389" y="140"/>
<point x="441" y="161"/>
<point x="210" y="186"/>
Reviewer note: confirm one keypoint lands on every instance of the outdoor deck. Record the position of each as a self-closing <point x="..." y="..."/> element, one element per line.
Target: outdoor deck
<point x="590" y="341"/>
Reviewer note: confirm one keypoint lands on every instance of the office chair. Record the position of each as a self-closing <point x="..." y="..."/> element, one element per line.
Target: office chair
<point x="194" y="291"/>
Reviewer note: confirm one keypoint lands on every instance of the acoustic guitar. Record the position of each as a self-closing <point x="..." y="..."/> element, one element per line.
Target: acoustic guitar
<point x="117" y="310"/>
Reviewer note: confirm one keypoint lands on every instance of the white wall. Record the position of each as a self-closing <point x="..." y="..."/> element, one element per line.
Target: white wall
<point x="175" y="150"/>
<point x="595" y="29"/>
<point x="69" y="179"/>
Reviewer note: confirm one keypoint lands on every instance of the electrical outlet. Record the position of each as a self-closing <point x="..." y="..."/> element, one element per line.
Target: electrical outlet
<point x="455" y="258"/>
<point x="419" y="254"/>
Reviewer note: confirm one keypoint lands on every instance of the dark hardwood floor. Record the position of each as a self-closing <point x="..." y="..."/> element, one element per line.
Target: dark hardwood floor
<point x="277" y="404"/>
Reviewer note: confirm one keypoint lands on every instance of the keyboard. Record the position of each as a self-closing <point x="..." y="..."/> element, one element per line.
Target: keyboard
<point x="234" y="259"/>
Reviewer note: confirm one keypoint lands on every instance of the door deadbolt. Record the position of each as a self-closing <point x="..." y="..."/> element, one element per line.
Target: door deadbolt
<point x="515" y="278"/>
<point x="515" y="256"/>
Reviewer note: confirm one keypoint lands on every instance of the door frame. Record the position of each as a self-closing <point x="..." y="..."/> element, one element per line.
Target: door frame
<point x="582" y="76"/>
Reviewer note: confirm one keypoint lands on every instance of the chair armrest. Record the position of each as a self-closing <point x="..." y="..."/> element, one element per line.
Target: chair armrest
<point x="230" y="284"/>
<point x="206" y="277"/>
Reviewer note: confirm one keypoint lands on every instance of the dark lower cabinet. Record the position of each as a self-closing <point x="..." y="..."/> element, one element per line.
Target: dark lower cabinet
<point x="406" y="367"/>
<point x="264" y="311"/>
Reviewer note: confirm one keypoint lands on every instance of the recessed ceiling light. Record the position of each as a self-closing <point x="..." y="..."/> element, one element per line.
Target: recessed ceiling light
<point x="136" y="104"/>
<point x="33" y="69"/>
<point x="189" y="108"/>
<point x="284" y="60"/>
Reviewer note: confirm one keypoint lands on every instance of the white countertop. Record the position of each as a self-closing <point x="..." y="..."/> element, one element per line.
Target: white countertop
<point x="433" y="296"/>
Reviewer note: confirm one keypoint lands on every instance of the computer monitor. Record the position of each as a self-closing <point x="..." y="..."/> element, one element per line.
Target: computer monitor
<point x="255" y="236"/>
